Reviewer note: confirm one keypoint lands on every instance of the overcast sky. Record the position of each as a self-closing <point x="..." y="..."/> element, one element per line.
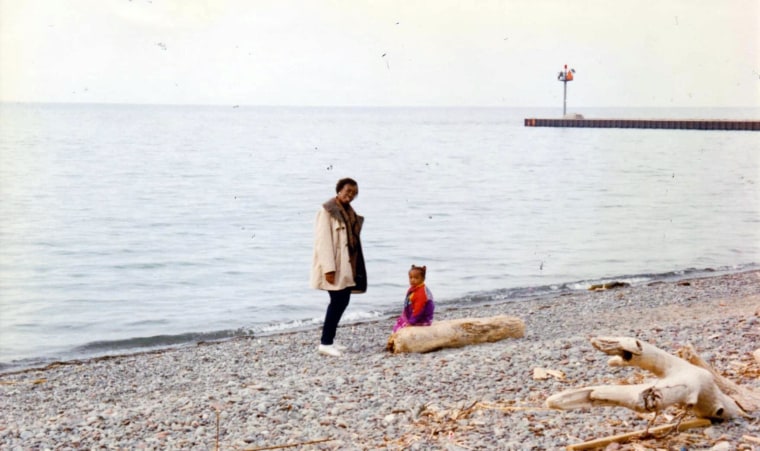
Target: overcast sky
<point x="664" y="53"/>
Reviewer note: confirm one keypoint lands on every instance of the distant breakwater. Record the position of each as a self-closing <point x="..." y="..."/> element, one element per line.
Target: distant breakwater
<point x="681" y="124"/>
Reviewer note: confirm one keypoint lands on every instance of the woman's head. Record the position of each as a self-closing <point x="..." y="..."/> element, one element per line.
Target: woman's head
<point x="347" y="189"/>
<point x="417" y="275"/>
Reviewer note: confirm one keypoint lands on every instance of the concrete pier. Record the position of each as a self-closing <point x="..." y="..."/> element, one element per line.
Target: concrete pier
<point x="681" y="124"/>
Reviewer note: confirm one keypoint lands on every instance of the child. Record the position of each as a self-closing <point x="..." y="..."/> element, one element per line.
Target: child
<point x="418" y="305"/>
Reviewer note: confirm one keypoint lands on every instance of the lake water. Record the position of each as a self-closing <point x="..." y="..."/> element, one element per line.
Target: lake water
<point x="126" y="227"/>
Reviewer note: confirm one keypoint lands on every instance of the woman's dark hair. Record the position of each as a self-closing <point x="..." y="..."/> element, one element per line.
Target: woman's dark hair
<point x="343" y="182"/>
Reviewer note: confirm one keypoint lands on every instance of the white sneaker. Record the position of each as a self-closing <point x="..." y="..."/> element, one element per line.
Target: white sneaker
<point x="330" y="350"/>
<point x="339" y="347"/>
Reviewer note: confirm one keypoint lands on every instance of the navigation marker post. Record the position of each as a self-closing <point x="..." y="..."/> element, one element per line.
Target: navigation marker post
<point x="564" y="76"/>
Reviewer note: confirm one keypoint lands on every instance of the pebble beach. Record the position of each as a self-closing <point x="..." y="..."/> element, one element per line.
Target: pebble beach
<point x="276" y="392"/>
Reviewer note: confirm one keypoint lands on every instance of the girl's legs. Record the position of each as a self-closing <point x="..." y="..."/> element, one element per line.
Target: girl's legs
<point x="338" y="303"/>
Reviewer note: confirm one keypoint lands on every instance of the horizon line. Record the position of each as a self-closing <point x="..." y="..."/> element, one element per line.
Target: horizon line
<point x="241" y="105"/>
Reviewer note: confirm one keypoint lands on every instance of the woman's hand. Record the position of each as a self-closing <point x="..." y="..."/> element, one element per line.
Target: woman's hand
<point x="330" y="277"/>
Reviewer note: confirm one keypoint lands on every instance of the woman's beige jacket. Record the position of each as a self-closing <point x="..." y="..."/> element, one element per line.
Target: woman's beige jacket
<point x="330" y="253"/>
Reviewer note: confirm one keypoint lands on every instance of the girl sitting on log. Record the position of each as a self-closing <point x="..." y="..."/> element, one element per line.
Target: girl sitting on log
<point x="418" y="304"/>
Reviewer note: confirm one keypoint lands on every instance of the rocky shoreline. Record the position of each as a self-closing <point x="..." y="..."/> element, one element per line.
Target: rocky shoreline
<point x="276" y="392"/>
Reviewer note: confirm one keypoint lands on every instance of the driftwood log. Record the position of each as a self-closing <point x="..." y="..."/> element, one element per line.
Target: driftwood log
<point x="747" y="399"/>
<point x="681" y="384"/>
<point x="455" y="333"/>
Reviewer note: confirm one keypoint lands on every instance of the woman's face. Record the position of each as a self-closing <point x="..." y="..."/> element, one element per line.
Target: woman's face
<point x="347" y="193"/>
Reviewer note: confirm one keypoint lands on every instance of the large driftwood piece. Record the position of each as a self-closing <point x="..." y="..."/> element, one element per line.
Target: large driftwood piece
<point x="680" y="384"/>
<point x="455" y="333"/>
<point x="747" y="399"/>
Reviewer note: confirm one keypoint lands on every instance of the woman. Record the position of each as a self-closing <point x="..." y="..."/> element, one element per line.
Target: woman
<point x="338" y="262"/>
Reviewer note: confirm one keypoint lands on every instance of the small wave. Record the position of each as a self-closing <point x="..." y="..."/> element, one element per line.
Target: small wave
<point x="631" y="280"/>
<point x="309" y="323"/>
<point x="289" y="325"/>
<point x="638" y="279"/>
<point x="362" y="316"/>
<point x="117" y="347"/>
<point x="5" y="367"/>
<point x="517" y="293"/>
<point x="158" y="341"/>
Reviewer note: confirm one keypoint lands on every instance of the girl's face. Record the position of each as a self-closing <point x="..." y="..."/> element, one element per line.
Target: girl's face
<point x="347" y="193"/>
<point x="415" y="277"/>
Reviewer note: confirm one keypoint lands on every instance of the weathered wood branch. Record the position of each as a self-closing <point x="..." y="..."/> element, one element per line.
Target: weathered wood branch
<point x="680" y="384"/>
<point x="455" y="333"/>
<point x="747" y="399"/>
<point x="628" y="436"/>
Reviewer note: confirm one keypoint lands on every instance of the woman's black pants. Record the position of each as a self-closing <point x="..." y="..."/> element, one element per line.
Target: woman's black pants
<point x="338" y="303"/>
